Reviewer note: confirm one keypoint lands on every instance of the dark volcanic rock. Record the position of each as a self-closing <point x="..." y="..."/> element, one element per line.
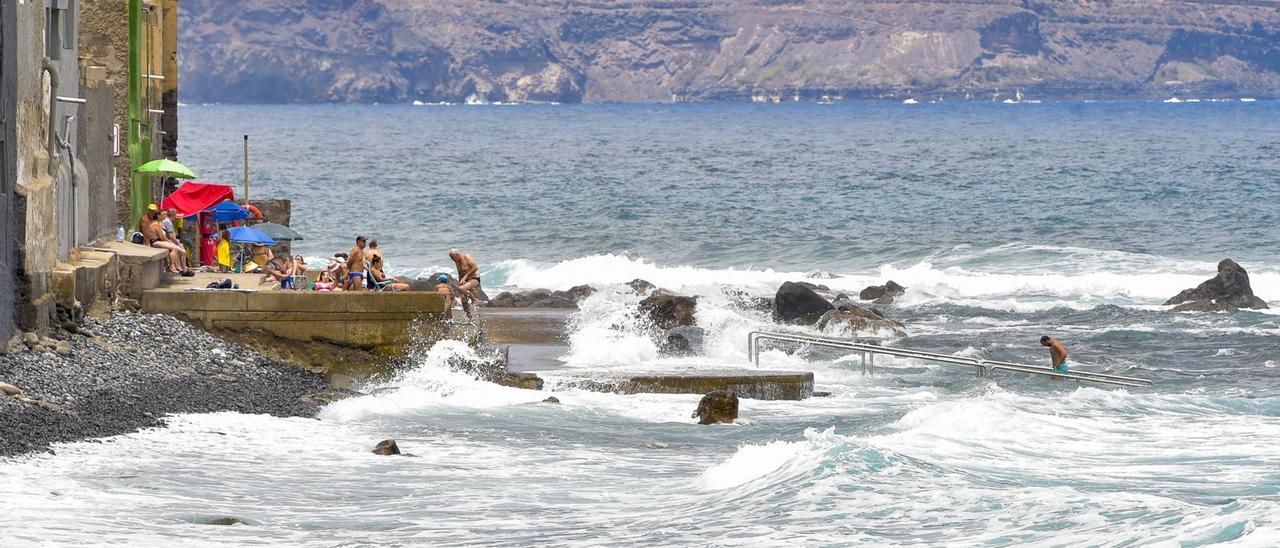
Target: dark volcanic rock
<point x="799" y="305"/>
<point x="554" y="302"/>
<point x="668" y="311"/>
<point x="684" y="340"/>
<point x="552" y="400"/>
<point x="1226" y="292"/>
<point x="641" y="287"/>
<point x="855" y="319"/>
<point x="135" y="370"/>
<point x="718" y="406"/>
<point x="387" y="447"/>
<point x="575" y="293"/>
<point x="882" y="294"/>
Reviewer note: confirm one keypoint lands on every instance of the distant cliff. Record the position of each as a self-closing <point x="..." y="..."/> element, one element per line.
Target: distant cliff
<point x="284" y="51"/>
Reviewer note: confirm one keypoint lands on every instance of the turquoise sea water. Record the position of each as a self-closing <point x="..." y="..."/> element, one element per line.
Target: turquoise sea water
<point x="1005" y="222"/>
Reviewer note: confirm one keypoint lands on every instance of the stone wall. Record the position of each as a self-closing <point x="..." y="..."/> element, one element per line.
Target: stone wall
<point x="34" y="229"/>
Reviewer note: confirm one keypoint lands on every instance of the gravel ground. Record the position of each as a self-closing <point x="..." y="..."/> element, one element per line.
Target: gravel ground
<point x="128" y="372"/>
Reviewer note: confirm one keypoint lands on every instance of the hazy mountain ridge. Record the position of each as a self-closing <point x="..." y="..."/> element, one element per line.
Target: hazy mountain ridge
<point x="722" y="50"/>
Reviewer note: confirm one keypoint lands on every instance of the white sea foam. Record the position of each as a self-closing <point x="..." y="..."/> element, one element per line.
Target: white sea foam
<point x="1014" y="277"/>
<point x="752" y="462"/>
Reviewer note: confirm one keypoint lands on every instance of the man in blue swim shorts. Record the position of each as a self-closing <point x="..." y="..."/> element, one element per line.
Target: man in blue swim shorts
<point x="1057" y="353"/>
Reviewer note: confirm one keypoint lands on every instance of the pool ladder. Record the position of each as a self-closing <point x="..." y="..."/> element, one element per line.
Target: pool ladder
<point x="870" y="347"/>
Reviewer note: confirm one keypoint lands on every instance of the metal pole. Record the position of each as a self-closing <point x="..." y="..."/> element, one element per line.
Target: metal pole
<point x="246" y="170"/>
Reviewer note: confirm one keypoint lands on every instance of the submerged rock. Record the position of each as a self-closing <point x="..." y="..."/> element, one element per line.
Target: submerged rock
<point x="552" y="400"/>
<point x="882" y="294"/>
<point x="668" y="311"/>
<point x="718" y="406"/>
<point x="386" y="447"/>
<point x="684" y="340"/>
<point x="1227" y="292"/>
<point x="854" y="319"/>
<point x="797" y="304"/>
<point x="222" y="521"/>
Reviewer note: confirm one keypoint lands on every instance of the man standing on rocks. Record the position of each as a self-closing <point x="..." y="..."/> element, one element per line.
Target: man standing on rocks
<point x="468" y="278"/>
<point x="1057" y="354"/>
<point x="355" y="266"/>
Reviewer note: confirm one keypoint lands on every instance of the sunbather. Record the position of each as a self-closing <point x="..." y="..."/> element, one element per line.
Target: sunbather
<point x="381" y="281"/>
<point x="279" y="271"/>
<point x="155" y="237"/>
<point x="325" y="282"/>
<point x="171" y="234"/>
<point x="261" y="254"/>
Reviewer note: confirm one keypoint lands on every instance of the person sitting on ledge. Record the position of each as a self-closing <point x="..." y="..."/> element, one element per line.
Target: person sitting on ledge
<point x="299" y="266"/>
<point x="325" y="282"/>
<point x="155" y="237"/>
<point x="381" y="281"/>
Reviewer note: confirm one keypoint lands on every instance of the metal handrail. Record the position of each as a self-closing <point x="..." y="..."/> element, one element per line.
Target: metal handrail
<point x="984" y="367"/>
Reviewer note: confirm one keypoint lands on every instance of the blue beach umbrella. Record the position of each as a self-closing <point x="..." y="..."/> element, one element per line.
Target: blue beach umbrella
<point x="228" y="211"/>
<point x="246" y="235"/>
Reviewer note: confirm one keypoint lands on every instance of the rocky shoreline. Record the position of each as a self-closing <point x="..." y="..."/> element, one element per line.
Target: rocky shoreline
<point x="128" y="372"/>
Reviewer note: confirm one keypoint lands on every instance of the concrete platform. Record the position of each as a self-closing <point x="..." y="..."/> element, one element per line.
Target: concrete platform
<point x="89" y="278"/>
<point x="351" y="332"/>
<point x="140" y="267"/>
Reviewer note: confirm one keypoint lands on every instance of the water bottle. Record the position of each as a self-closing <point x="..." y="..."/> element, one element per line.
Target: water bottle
<point x="120" y="232"/>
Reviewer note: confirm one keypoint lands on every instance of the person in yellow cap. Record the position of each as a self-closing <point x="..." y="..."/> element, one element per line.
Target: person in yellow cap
<point x="151" y="216"/>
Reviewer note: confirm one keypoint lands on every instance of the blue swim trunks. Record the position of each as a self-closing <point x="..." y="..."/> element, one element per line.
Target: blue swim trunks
<point x="1061" y="368"/>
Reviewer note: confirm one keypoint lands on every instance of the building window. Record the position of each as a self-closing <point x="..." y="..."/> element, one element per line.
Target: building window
<point x="69" y="25"/>
<point x="52" y="33"/>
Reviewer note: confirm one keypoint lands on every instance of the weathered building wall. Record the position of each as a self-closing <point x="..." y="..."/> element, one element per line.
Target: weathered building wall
<point x="8" y="251"/>
<point x="34" y="229"/>
<point x="96" y="146"/>
<point x="104" y="41"/>
<point x="69" y="179"/>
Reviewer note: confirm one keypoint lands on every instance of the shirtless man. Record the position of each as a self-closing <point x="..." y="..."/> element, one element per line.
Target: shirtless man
<point x="468" y="278"/>
<point x="155" y="237"/>
<point x="442" y="287"/>
<point x="355" y="266"/>
<point x="1057" y="354"/>
<point x="171" y="234"/>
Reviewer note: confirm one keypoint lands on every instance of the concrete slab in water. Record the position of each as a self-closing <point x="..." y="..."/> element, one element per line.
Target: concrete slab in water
<point x="524" y="326"/>
<point x="543" y="360"/>
<point x="526" y="358"/>
<point x="747" y="383"/>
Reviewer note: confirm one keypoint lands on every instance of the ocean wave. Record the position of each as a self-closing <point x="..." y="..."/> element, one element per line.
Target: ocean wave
<point x="1012" y="277"/>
